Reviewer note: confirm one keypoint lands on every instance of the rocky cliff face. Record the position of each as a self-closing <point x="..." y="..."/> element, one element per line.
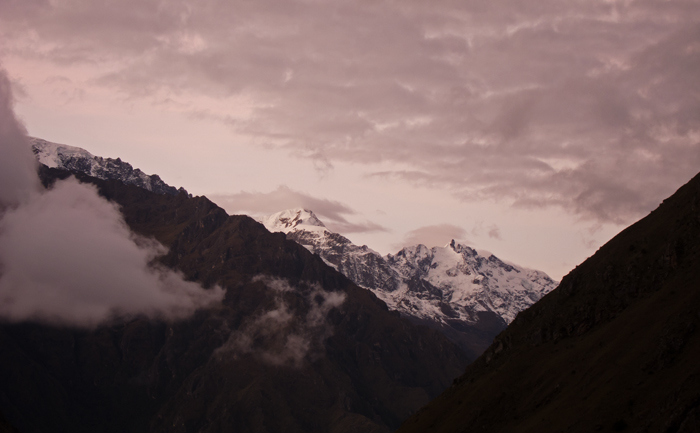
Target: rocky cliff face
<point x="80" y="160"/>
<point x="294" y="346"/>
<point x="468" y="296"/>
<point x="615" y="347"/>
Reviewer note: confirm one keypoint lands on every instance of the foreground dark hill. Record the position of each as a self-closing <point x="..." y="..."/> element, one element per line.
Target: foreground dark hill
<point x="615" y="347"/>
<point x="356" y="367"/>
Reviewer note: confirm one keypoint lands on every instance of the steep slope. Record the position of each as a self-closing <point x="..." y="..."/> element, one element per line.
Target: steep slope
<point x="615" y="347"/>
<point x="467" y="296"/>
<point x="294" y="346"/>
<point x="77" y="159"/>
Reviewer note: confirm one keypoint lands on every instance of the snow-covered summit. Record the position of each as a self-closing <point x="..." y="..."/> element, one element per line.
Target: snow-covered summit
<point x="66" y="157"/>
<point x="292" y="220"/>
<point x="465" y="280"/>
<point x="421" y="281"/>
<point x="452" y="288"/>
<point x="53" y="155"/>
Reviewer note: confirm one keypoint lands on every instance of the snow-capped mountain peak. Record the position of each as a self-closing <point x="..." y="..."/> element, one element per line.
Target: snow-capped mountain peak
<point x="53" y="154"/>
<point x="418" y="280"/>
<point x="66" y="157"/>
<point x="293" y="220"/>
<point x="452" y="288"/>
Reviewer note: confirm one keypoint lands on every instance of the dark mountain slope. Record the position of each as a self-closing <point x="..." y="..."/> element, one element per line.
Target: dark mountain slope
<point x="364" y="369"/>
<point x="615" y="347"/>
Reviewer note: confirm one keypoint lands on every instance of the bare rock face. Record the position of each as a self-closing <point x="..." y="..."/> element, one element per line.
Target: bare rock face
<point x="467" y="296"/>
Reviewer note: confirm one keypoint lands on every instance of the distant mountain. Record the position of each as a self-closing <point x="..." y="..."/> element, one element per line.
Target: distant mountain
<point x="77" y="159"/>
<point x="468" y="296"/>
<point x="616" y="347"/>
<point x="274" y="356"/>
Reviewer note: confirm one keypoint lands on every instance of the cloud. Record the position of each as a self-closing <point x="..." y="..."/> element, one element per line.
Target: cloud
<point x="435" y="235"/>
<point x="66" y="255"/>
<point x="285" y="335"/>
<point x="365" y="227"/>
<point x="17" y="166"/>
<point x="493" y="231"/>
<point x="332" y="212"/>
<point x="588" y="106"/>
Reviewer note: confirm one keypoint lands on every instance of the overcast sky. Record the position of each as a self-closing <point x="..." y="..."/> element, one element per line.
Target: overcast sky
<point x="535" y="130"/>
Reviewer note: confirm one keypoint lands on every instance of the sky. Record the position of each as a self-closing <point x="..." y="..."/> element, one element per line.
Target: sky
<point x="534" y="130"/>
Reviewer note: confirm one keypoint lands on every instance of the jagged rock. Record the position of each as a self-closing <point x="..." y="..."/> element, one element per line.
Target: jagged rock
<point x="73" y="158"/>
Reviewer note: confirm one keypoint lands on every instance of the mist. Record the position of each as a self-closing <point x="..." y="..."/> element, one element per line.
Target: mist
<point x="67" y="256"/>
<point x="284" y="335"/>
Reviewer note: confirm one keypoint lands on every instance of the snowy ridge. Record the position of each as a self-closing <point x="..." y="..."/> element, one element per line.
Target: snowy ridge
<point x="444" y="284"/>
<point x="74" y="158"/>
<point x="457" y="282"/>
<point x="361" y="264"/>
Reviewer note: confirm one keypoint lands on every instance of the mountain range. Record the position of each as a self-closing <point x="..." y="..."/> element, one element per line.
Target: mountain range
<point x="296" y="346"/>
<point x="468" y="296"/>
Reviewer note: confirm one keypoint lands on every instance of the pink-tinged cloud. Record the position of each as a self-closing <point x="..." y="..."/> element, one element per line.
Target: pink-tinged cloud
<point x="588" y="106"/>
<point x="492" y="231"/>
<point x="434" y="236"/>
<point x="333" y="213"/>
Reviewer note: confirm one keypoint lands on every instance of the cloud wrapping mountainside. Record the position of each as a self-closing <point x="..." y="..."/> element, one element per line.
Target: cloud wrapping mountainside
<point x="66" y="255"/>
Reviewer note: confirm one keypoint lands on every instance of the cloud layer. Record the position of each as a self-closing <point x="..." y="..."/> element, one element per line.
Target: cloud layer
<point x="590" y="106"/>
<point x="66" y="255"/>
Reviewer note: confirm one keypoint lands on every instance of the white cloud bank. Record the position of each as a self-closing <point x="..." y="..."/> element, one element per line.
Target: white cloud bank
<point x="66" y="255"/>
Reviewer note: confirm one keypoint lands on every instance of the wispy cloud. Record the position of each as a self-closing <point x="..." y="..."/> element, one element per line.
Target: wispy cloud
<point x="435" y="235"/>
<point x="333" y="213"/>
<point x="285" y="334"/>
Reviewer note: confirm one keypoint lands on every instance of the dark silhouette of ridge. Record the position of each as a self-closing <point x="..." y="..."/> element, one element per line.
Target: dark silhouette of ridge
<point x="367" y="370"/>
<point x="615" y="347"/>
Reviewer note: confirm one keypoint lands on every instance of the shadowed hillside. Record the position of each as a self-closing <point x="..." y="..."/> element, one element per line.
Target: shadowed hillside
<point x="614" y="348"/>
<point x="294" y="346"/>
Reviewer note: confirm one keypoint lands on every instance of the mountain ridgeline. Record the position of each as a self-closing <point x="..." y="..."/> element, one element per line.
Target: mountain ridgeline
<point x="615" y="347"/>
<point x="316" y="334"/>
<point x="467" y="296"/>
<point x="294" y="346"/>
<point x="80" y="160"/>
